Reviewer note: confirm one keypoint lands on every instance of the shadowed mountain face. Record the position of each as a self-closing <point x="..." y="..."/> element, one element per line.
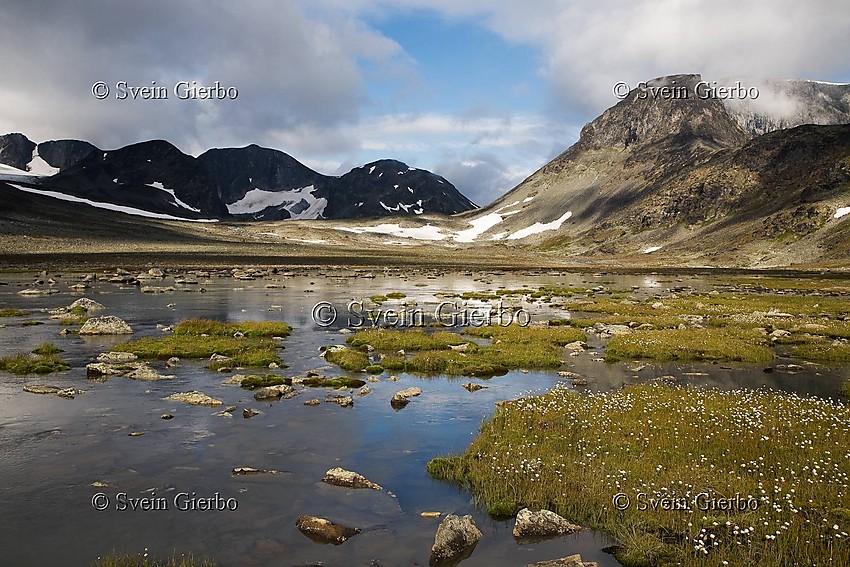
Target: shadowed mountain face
<point x="250" y="183"/>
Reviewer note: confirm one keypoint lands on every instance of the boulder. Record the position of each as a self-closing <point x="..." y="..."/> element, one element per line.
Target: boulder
<point x="341" y="477"/>
<point x="576" y="346"/>
<point x="89" y="305"/>
<point x="455" y="540"/>
<point x="107" y="325"/>
<point x="195" y="398"/>
<point x="541" y="524"/>
<point x="324" y="531"/>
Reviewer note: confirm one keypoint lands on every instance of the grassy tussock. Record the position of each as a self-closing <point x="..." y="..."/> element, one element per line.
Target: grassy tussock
<point x="250" y="329"/>
<point x="9" y="312"/>
<point x="511" y="348"/>
<point x="573" y="453"/>
<point x="408" y="339"/>
<point x="142" y="560"/>
<point x="201" y="338"/>
<point x="348" y="359"/>
<point x="691" y="345"/>
<point x="46" y="349"/>
<point x="24" y="364"/>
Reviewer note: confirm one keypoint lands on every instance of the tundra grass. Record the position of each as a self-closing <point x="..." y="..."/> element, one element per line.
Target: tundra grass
<point x="510" y="348"/>
<point x="701" y="344"/>
<point x="668" y="456"/>
<point x="46" y="349"/>
<point x="25" y="364"/>
<point x="245" y="343"/>
<point x="127" y="560"/>
<point x="10" y="312"/>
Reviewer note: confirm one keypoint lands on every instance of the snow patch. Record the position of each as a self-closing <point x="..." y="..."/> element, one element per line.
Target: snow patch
<point x="256" y="200"/>
<point x="108" y="206"/>
<point x="178" y="202"/>
<point x="651" y="249"/>
<point x="539" y="227"/>
<point x="371" y="169"/>
<point x="478" y="227"/>
<point x="841" y="212"/>
<point x="427" y="232"/>
<point x="39" y="167"/>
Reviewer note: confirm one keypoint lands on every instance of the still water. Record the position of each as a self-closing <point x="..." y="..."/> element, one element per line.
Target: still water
<point x="54" y="449"/>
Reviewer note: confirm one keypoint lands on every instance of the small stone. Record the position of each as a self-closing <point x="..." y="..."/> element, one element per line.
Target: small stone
<point x="470" y="387"/>
<point x="136" y="433"/>
<point x="402" y="397"/>
<point x="251" y="470"/>
<point x="364" y="391"/>
<point x="431" y="514"/>
<point x="313" y="402"/>
<point x="230" y="409"/>
<point x="116" y="357"/>
<point x="248" y="413"/>
<point x="41" y="389"/>
<point x="166" y="416"/>
<point x="172" y="362"/>
<point x="344" y="401"/>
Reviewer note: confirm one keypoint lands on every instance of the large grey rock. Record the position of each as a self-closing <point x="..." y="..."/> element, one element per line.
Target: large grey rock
<point x="340" y="477"/>
<point x="324" y="531"/>
<point x="455" y="540"/>
<point x="542" y="524"/>
<point x="117" y="357"/>
<point x="106" y="325"/>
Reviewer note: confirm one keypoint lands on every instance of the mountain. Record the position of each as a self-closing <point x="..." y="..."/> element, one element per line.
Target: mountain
<point x="668" y="173"/>
<point x="154" y="178"/>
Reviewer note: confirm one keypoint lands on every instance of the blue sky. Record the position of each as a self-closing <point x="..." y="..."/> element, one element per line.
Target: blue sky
<point x="481" y="92"/>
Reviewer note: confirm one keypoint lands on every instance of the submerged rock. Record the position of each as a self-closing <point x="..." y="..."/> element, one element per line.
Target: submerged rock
<point x="542" y="524"/>
<point x="322" y="530"/>
<point x="41" y="389"/>
<point x="341" y="477"/>
<point x="344" y="401"/>
<point x="251" y="470"/>
<point x="195" y="398"/>
<point x="106" y="325"/>
<point x="248" y="413"/>
<point x="455" y="540"/>
<point x="474" y="387"/>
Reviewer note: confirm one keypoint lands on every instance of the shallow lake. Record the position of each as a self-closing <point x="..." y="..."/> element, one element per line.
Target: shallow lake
<point x="53" y="449"/>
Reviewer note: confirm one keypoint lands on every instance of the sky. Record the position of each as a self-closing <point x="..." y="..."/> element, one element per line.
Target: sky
<point x="481" y="92"/>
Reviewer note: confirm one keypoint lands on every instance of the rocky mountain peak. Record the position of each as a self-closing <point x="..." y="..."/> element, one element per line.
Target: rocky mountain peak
<point x="669" y="107"/>
<point x="16" y="150"/>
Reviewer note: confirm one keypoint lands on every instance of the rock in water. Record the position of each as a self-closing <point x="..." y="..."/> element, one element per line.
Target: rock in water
<point x="341" y="477"/>
<point x="272" y="392"/>
<point x="107" y="325"/>
<point x="116" y="357"/>
<point x="455" y="540"/>
<point x="402" y="397"/>
<point x="195" y="398"/>
<point x="471" y="387"/>
<point x="542" y="524"/>
<point x="324" y="531"/>
<point x="570" y="561"/>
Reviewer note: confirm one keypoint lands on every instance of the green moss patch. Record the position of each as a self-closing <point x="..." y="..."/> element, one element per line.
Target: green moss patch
<point x="46" y="349"/>
<point x="338" y="382"/>
<point x="347" y="359"/>
<point x="253" y="381"/>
